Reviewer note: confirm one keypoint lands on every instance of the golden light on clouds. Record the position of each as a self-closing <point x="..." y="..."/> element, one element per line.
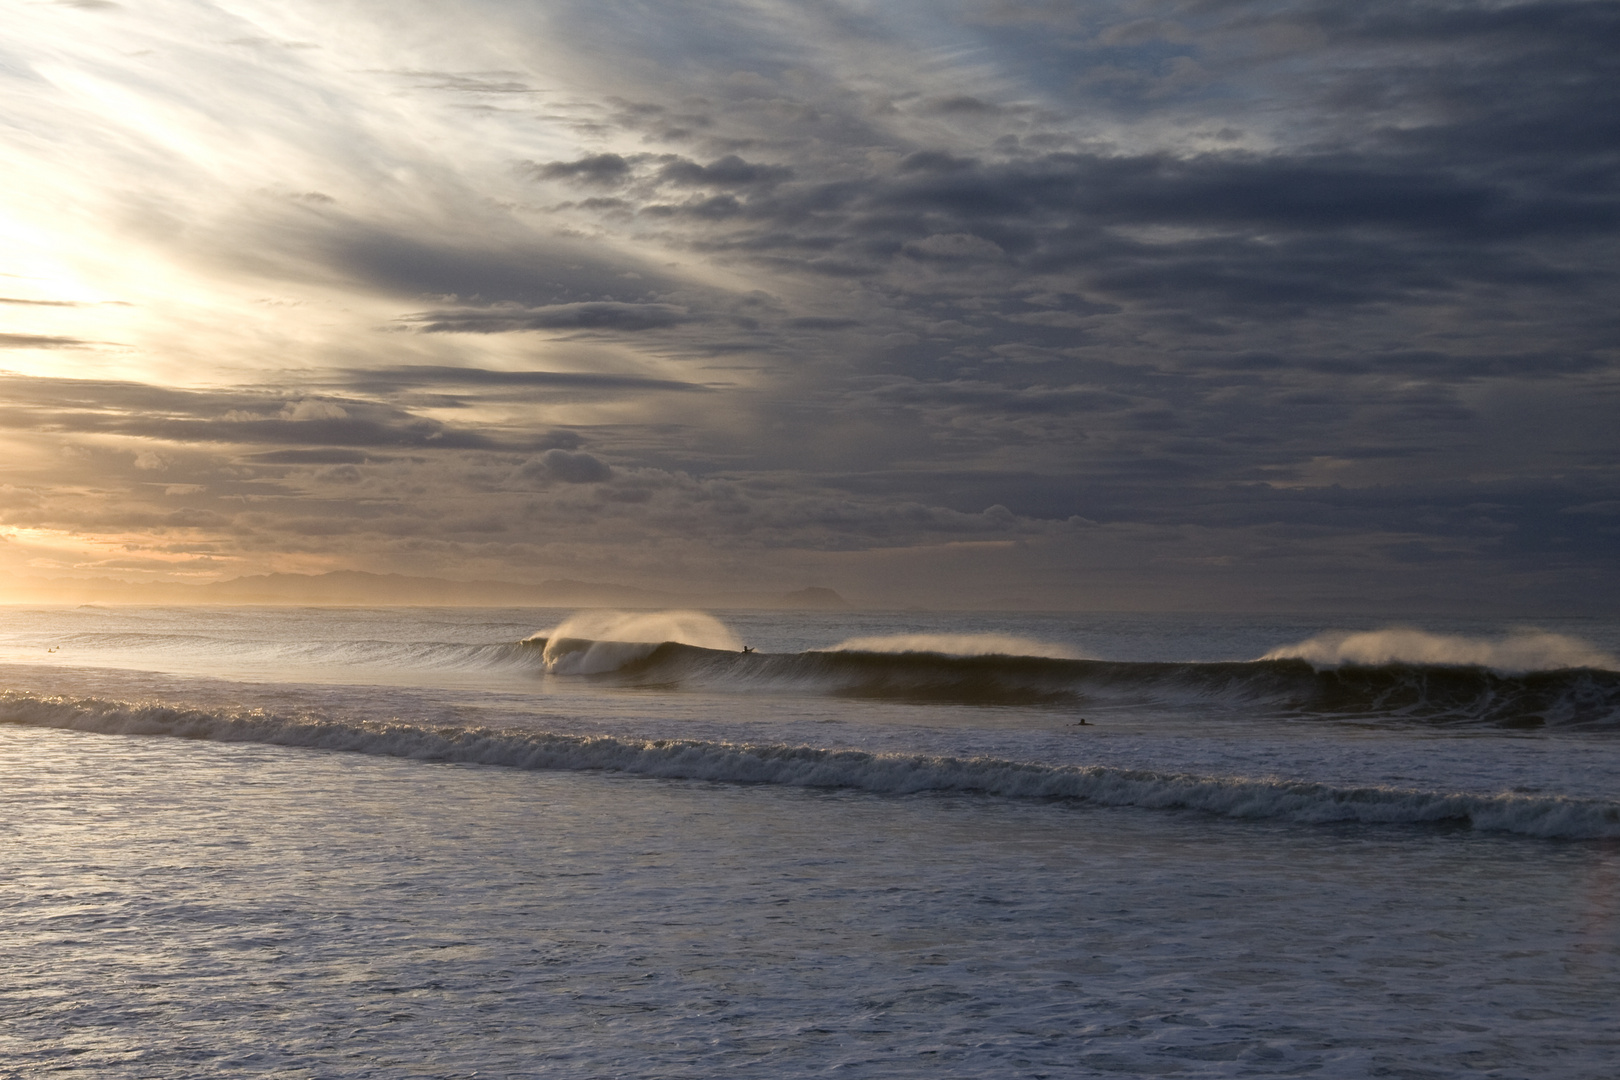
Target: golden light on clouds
<point x="526" y="290"/>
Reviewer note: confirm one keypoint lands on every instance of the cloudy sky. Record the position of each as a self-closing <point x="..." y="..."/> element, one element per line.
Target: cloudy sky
<point x="1144" y="303"/>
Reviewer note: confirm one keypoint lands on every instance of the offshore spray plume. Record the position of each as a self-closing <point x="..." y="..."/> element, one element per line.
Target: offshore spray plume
<point x="591" y="642"/>
<point x="1518" y="652"/>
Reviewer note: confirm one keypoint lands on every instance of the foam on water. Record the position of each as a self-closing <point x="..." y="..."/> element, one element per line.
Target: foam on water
<point x="908" y="858"/>
<point x="183" y="908"/>
<point x="808" y="766"/>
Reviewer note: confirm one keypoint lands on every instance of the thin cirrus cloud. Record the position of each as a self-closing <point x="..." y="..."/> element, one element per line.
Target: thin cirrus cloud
<point x="1248" y="303"/>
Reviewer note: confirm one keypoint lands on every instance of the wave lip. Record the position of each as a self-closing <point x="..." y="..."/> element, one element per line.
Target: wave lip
<point x="1556" y="817"/>
<point x="596" y="642"/>
<point x="1515" y="654"/>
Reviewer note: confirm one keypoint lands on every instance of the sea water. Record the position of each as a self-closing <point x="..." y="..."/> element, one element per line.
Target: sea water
<point x="391" y="843"/>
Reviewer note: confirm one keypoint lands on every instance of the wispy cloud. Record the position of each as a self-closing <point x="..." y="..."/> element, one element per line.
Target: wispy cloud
<point x="1219" y="295"/>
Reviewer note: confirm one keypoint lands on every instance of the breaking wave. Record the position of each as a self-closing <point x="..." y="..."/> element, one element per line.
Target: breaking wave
<point x="593" y="642"/>
<point x="1517" y="653"/>
<point x="1529" y="679"/>
<point x="805" y="766"/>
<point x="1428" y="693"/>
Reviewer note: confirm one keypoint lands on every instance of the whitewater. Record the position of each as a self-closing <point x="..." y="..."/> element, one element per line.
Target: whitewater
<point x="456" y="842"/>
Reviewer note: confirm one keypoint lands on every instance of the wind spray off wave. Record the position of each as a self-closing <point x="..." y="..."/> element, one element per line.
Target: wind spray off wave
<point x="1517" y="653"/>
<point x="1396" y="687"/>
<point x="594" y="642"/>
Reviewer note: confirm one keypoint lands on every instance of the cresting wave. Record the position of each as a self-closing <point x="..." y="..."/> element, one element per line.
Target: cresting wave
<point x="1427" y="693"/>
<point x="594" y="642"/>
<point x="805" y="766"/>
<point x="1524" y="680"/>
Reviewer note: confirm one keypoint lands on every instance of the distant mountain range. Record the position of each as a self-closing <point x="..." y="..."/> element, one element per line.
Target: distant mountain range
<point x="360" y="589"/>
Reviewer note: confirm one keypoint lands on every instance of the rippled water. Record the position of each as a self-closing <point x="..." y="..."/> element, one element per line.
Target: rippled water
<point x="238" y="909"/>
<point x="218" y="906"/>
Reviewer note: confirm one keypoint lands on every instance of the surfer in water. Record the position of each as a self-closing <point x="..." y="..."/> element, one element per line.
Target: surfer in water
<point x="747" y="649"/>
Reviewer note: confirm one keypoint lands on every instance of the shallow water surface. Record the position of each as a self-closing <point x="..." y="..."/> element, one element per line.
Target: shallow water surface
<point x="182" y="908"/>
<point x="397" y="843"/>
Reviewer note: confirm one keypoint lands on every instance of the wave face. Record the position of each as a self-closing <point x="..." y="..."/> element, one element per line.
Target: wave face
<point x="958" y="645"/>
<point x="1426" y="693"/>
<point x="1237" y="797"/>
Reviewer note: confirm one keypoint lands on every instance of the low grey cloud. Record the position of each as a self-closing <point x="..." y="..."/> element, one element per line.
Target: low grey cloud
<point x="652" y="171"/>
<point x="224" y="416"/>
<point x="509" y="318"/>
<point x="567" y="467"/>
<point x="606" y="170"/>
<point x="318" y="456"/>
<point x="510" y="264"/>
<point x="389" y="379"/>
<point x="42" y="341"/>
<point x="729" y="171"/>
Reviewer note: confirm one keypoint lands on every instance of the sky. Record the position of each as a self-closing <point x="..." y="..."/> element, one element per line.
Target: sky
<point x="1154" y="304"/>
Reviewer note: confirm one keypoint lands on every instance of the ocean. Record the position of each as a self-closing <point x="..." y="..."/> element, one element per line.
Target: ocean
<point x="528" y="843"/>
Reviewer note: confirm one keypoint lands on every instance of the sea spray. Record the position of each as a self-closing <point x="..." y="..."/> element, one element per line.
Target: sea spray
<point x="592" y="642"/>
<point x="1295" y="689"/>
<point x="1515" y="654"/>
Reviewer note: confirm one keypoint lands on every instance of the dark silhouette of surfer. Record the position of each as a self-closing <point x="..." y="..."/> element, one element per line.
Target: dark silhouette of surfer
<point x="747" y="649"/>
